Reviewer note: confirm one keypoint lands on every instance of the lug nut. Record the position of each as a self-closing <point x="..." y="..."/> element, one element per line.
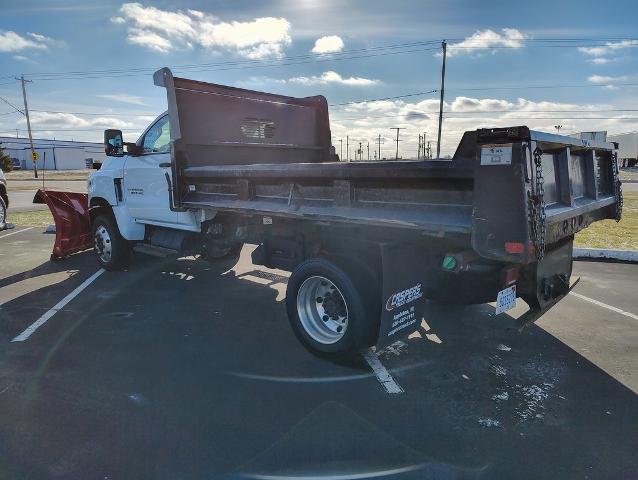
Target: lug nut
<point x="319" y="299"/>
<point x="325" y="318"/>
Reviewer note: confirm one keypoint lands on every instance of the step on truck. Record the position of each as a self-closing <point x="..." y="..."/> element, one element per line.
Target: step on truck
<point x="368" y="243"/>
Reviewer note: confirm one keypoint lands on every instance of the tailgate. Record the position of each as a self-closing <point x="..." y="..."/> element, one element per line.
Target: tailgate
<point x="533" y="189"/>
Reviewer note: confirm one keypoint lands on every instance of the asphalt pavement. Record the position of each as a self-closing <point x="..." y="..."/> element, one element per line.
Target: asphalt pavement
<point x="180" y="368"/>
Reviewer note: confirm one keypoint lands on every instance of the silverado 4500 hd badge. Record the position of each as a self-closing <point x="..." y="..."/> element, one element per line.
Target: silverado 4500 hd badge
<point x="403" y="297"/>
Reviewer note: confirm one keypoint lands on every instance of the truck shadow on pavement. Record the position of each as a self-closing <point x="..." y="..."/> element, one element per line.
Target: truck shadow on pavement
<point x="175" y="369"/>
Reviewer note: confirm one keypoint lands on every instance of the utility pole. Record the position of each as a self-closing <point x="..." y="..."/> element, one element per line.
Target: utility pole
<point x="558" y="127"/>
<point x="418" y="151"/>
<point x="438" y="142"/>
<point x="347" y="148"/>
<point x="379" y="146"/>
<point x="341" y="149"/>
<point x="396" y="157"/>
<point x="368" y="150"/>
<point x="423" y="143"/>
<point x="26" y="113"/>
<point x="360" y="151"/>
<point x="429" y="151"/>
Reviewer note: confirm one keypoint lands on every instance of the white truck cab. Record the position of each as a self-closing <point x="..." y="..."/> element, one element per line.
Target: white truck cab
<point x="132" y="191"/>
<point x="135" y="186"/>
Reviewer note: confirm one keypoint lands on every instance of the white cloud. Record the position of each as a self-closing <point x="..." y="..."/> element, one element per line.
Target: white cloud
<point x="601" y="60"/>
<point x="150" y="40"/>
<point x="13" y="42"/>
<point x="40" y="38"/>
<point x="333" y="77"/>
<point x="69" y="120"/>
<point x="124" y="98"/>
<point x="486" y="39"/>
<point x="329" y="44"/>
<point x="608" y="48"/>
<point x="602" y="79"/>
<point x="164" y="31"/>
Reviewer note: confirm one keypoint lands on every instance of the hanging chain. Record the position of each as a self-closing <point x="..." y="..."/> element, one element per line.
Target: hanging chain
<point x="536" y="203"/>
<point x="617" y="185"/>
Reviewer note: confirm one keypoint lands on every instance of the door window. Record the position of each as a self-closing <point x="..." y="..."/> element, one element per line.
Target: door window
<point x="158" y="138"/>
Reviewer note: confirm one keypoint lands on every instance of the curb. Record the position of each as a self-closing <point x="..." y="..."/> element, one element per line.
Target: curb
<point x="630" y="256"/>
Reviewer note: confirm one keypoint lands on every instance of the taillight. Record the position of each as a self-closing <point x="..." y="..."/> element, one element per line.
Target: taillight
<point x="514" y="247"/>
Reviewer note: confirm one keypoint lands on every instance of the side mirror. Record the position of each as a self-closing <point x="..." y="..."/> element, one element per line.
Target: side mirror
<point x="113" y="143"/>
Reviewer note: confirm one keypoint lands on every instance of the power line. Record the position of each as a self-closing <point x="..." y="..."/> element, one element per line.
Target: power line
<point x="238" y="62"/>
<point x="454" y="113"/>
<point x="234" y="67"/>
<point x="118" y="114"/>
<point x="471" y="44"/>
<point x="11" y="105"/>
<point x="585" y="85"/>
<point x="381" y="99"/>
<point x="336" y="56"/>
<point x="74" y="129"/>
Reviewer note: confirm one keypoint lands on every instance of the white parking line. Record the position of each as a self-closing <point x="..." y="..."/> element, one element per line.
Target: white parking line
<point x="56" y="308"/>
<point x="17" y="231"/>
<point x="384" y="377"/>
<point x="604" y="305"/>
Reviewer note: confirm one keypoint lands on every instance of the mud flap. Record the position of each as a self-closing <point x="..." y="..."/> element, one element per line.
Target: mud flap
<point x="70" y="212"/>
<point x="544" y="281"/>
<point x="403" y="292"/>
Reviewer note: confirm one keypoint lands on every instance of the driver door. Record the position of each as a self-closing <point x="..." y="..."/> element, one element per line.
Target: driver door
<point x="145" y="186"/>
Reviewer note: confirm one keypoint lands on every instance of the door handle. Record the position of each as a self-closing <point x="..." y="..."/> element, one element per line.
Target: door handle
<point x="165" y="164"/>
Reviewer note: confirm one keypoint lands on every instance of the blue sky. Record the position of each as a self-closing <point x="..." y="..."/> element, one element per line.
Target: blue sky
<point x="491" y="85"/>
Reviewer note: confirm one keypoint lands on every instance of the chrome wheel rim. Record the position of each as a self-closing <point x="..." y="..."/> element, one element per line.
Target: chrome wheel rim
<point x="103" y="245"/>
<point x="322" y="310"/>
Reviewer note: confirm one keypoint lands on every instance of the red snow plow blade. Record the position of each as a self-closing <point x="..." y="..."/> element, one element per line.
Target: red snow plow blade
<point x="70" y="212"/>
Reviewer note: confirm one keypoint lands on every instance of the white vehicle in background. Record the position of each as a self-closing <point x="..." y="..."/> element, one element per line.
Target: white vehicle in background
<point x="627" y="148"/>
<point x="4" y="200"/>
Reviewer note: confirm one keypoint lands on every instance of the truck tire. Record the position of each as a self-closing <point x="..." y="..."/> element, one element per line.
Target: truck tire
<point x="3" y="213"/>
<point x="328" y="308"/>
<point x="111" y="249"/>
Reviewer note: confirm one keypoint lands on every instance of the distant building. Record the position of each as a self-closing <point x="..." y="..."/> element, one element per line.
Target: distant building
<point x="627" y="148"/>
<point x="627" y="145"/>
<point x="598" y="137"/>
<point x="53" y="154"/>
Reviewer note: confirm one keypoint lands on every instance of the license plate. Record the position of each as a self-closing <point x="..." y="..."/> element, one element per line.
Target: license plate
<point x="506" y="299"/>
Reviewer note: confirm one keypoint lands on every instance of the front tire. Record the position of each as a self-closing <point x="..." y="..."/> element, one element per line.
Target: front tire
<point x="112" y="251"/>
<point x="329" y="311"/>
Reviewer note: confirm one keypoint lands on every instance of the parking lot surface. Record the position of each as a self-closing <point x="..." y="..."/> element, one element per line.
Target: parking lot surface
<point x="179" y="368"/>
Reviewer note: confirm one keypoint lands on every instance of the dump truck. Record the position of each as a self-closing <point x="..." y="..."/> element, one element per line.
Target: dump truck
<point x="368" y="243"/>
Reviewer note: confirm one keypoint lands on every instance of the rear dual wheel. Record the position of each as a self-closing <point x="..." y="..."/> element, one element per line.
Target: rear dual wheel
<point x="331" y="311"/>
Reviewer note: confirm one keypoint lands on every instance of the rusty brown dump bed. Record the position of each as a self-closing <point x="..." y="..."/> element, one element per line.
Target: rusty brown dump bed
<point x="261" y="154"/>
<point x="236" y="126"/>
